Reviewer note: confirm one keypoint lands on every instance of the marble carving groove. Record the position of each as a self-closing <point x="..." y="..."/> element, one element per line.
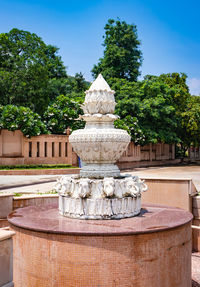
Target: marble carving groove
<point x="100" y="192"/>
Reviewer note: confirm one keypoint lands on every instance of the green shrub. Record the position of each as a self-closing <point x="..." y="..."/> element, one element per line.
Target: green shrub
<point x="36" y="166"/>
<point x="21" y="118"/>
<point x="63" y="113"/>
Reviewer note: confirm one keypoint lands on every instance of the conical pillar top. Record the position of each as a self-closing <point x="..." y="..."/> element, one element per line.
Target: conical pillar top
<point x="100" y="84"/>
<point x="99" y="98"/>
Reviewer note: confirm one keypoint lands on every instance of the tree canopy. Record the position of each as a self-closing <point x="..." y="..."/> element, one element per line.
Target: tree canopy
<point x="28" y="70"/>
<point x="158" y="109"/>
<point x="21" y="118"/>
<point x="122" y="57"/>
<point x="146" y="110"/>
<point x="190" y="123"/>
<point x="63" y="113"/>
<point x="187" y="109"/>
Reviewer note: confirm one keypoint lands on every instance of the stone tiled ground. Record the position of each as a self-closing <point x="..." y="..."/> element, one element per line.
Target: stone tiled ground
<point x="187" y="171"/>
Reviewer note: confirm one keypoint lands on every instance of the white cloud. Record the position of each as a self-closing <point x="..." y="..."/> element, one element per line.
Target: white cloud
<point x="194" y="86"/>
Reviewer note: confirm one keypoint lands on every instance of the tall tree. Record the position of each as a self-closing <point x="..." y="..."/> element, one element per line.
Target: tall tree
<point x="177" y="82"/>
<point x="186" y="109"/>
<point x="146" y="111"/>
<point x="122" y="56"/>
<point x="27" y="67"/>
<point x="80" y="85"/>
<point x="63" y="113"/>
<point x="190" y="124"/>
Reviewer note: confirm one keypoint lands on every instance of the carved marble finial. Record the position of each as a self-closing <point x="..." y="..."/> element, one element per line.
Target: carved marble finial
<point x="99" y="98"/>
<point x="100" y="84"/>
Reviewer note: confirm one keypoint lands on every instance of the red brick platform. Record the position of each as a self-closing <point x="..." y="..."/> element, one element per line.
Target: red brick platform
<point x="152" y="249"/>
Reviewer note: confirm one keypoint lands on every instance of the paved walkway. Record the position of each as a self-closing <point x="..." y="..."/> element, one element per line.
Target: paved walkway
<point x="27" y="183"/>
<point x="190" y="171"/>
<point x="14" y="180"/>
<point x="45" y="183"/>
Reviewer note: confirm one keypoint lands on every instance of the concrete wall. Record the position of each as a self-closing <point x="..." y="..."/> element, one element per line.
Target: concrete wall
<point x="172" y="192"/>
<point x="6" y="205"/>
<point x="151" y="154"/>
<point x="6" y="258"/>
<point x="15" y="148"/>
<point x="196" y="222"/>
<point x="47" y="149"/>
<point x="177" y="193"/>
<point x="40" y="171"/>
<point x="194" y="153"/>
<point x="35" y="200"/>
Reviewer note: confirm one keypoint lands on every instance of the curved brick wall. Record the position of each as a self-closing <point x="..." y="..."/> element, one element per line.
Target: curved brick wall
<point x="153" y="259"/>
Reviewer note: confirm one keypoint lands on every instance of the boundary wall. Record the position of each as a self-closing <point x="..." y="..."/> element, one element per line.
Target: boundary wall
<point x="16" y="149"/>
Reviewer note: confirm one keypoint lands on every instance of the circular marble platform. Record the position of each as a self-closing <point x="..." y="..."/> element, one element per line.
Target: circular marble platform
<point x="152" y="249"/>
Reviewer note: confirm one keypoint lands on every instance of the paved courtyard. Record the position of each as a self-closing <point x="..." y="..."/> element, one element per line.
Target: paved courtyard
<point x="189" y="171"/>
<point x="17" y="181"/>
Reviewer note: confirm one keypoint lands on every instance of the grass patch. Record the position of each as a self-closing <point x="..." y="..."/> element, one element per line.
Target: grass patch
<point x="36" y="166"/>
<point x="48" y="192"/>
<point x="17" y="194"/>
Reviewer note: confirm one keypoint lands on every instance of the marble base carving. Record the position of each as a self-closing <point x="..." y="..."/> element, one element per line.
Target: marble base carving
<point x="105" y="198"/>
<point x="102" y="208"/>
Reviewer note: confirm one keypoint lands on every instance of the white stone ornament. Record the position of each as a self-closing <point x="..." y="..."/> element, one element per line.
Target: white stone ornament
<point x="100" y="192"/>
<point x="99" y="144"/>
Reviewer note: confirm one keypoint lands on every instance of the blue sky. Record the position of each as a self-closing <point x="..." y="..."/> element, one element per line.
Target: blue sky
<point x="169" y="31"/>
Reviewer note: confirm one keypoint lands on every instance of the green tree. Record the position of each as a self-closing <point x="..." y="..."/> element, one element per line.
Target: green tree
<point x="190" y="124"/>
<point x="122" y="57"/>
<point x="21" y="118"/>
<point x="158" y="109"/>
<point x="180" y="90"/>
<point x="187" y="111"/>
<point x="63" y="113"/>
<point x="146" y="110"/>
<point x="79" y="85"/>
<point x="28" y="69"/>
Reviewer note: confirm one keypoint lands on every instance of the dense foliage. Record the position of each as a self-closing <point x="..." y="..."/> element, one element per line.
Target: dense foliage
<point x="122" y="57"/>
<point x="158" y="109"/>
<point x="30" y="70"/>
<point x="187" y="110"/>
<point x="22" y="118"/>
<point x="63" y="113"/>
<point x="146" y="111"/>
<point x="190" y="123"/>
